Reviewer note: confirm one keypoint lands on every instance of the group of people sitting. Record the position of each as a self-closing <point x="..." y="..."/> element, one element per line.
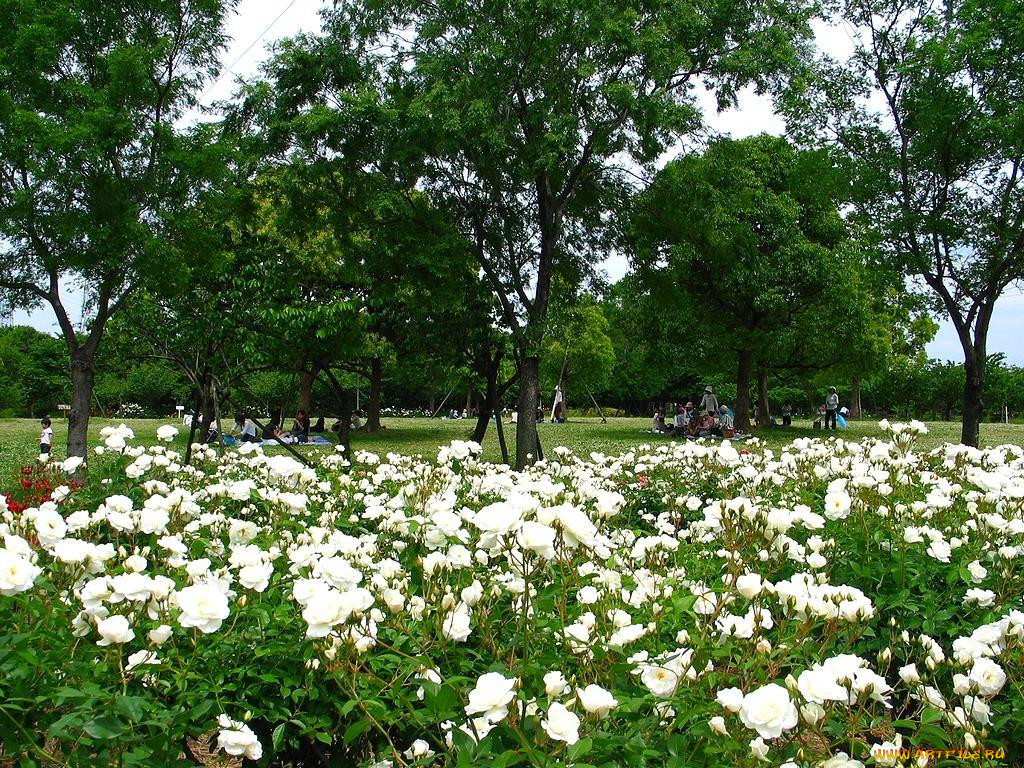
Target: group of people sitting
<point x="246" y="431"/>
<point x="710" y="419"/>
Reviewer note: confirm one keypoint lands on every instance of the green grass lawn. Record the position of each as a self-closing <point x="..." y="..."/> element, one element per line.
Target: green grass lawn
<point x="18" y="437"/>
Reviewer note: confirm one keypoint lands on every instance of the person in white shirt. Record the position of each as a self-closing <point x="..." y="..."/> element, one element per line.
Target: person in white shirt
<point x="45" y="437"/>
<point x="831" y="408"/>
<point x="247" y="427"/>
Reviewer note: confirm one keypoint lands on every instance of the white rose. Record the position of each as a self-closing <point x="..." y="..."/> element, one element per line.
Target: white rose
<point x="819" y="685"/>
<point x="555" y="684"/>
<point x="717" y="725"/>
<point x="203" y="606"/>
<point x="731" y="699"/>
<point x="166" y="433"/>
<point x="987" y="676"/>
<point x="456" y="625"/>
<point x="114" y="630"/>
<point x="769" y="711"/>
<point x="538" y="538"/>
<point x="17" y="574"/>
<point x="596" y="700"/>
<point x="759" y="749"/>
<point x="491" y="696"/>
<point x="561" y="724"/>
<point x="160" y="635"/>
<point x="237" y="739"/>
<point x="660" y="681"/>
<point x="750" y="585"/>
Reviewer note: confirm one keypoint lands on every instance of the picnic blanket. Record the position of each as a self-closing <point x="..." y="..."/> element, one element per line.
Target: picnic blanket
<point x="314" y="440"/>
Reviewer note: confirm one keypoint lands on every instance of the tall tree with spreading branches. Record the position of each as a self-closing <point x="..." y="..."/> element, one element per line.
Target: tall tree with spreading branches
<point x="927" y="108"/>
<point x="529" y="112"/>
<point x="90" y="160"/>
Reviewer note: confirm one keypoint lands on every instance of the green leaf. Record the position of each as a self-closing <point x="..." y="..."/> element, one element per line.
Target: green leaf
<point x="355" y="730"/>
<point x="104" y="727"/>
<point x="131" y="707"/>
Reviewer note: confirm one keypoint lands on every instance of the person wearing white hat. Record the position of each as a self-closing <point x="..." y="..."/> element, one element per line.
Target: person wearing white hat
<point x="709" y="403"/>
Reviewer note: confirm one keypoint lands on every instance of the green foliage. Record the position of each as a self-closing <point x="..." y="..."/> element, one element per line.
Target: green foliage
<point x="33" y="372"/>
<point x="927" y="117"/>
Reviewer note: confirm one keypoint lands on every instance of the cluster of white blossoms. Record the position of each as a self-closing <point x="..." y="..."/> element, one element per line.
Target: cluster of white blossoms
<point x="577" y="597"/>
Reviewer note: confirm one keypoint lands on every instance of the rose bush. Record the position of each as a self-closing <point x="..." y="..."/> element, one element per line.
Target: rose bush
<point x="832" y="604"/>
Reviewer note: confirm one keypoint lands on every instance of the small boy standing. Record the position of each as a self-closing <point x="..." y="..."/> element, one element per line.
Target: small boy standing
<point x="45" y="437"/>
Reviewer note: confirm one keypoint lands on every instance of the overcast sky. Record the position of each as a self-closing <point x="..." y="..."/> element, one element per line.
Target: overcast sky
<point x="258" y="23"/>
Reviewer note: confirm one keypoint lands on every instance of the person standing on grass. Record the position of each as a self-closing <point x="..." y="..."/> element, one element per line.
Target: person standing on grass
<point x="709" y="403"/>
<point x="831" y="408"/>
<point x="45" y="438"/>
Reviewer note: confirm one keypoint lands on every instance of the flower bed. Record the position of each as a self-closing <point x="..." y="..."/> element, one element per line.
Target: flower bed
<point x="831" y="604"/>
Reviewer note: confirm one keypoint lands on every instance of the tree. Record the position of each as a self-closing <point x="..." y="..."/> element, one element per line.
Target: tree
<point x="32" y="365"/>
<point x="751" y="232"/>
<point x="89" y="158"/>
<point x="529" y="109"/>
<point x="928" y="111"/>
<point x="578" y="351"/>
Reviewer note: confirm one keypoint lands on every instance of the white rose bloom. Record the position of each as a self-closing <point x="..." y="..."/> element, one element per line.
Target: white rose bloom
<point x="561" y="724"/>
<point x="166" y="433"/>
<point x="71" y="464"/>
<point x="909" y="674"/>
<point x="491" y="696"/>
<point x="987" y="676"/>
<point x="456" y="625"/>
<point x="940" y="550"/>
<point x="819" y="686"/>
<point x="885" y="753"/>
<point x="555" y="684"/>
<point x="750" y="585"/>
<point x="837" y="505"/>
<point x="660" y="681"/>
<point x="256" y="577"/>
<point x="237" y="739"/>
<point x="759" y="749"/>
<point x="842" y="760"/>
<point x="50" y="527"/>
<point x="203" y="606"/>
<point x="596" y="700"/>
<point x="731" y="699"/>
<point x="161" y="634"/>
<point x="769" y="711"/>
<point x="419" y="748"/>
<point x="142" y="658"/>
<point x="114" y="630"/>
<point x="17" y="574"/>
<point x="538" y="538"/>
<point x="717" y="725"/>
<point x="982" y="597"/>
<point x="978" y="571"/>
<point x="498" y="518"/>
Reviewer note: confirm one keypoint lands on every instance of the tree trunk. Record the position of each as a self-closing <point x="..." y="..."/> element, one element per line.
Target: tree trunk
<point x="526" y="427"/>
<point x="764" y="413"/>
<point x="742" y="420"/>
<point x="306" y="379"/>
<point x="489" y="402"/>
<point x="855" y="406"/>
<point x="373" y="403"/>
<point x="974" y="407"/>
<point x="83" y="374"/>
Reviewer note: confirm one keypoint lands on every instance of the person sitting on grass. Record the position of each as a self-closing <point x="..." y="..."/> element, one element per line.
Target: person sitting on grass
<point x="300" y="427"/>
<point x="725" y="417"/>
<point x="246" y="428"/>
<point x="271" y="430"/>
<point x="682" y="421"/>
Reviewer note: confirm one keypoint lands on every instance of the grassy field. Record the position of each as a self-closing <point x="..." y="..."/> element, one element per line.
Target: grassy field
<point x="18" y="437"/>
